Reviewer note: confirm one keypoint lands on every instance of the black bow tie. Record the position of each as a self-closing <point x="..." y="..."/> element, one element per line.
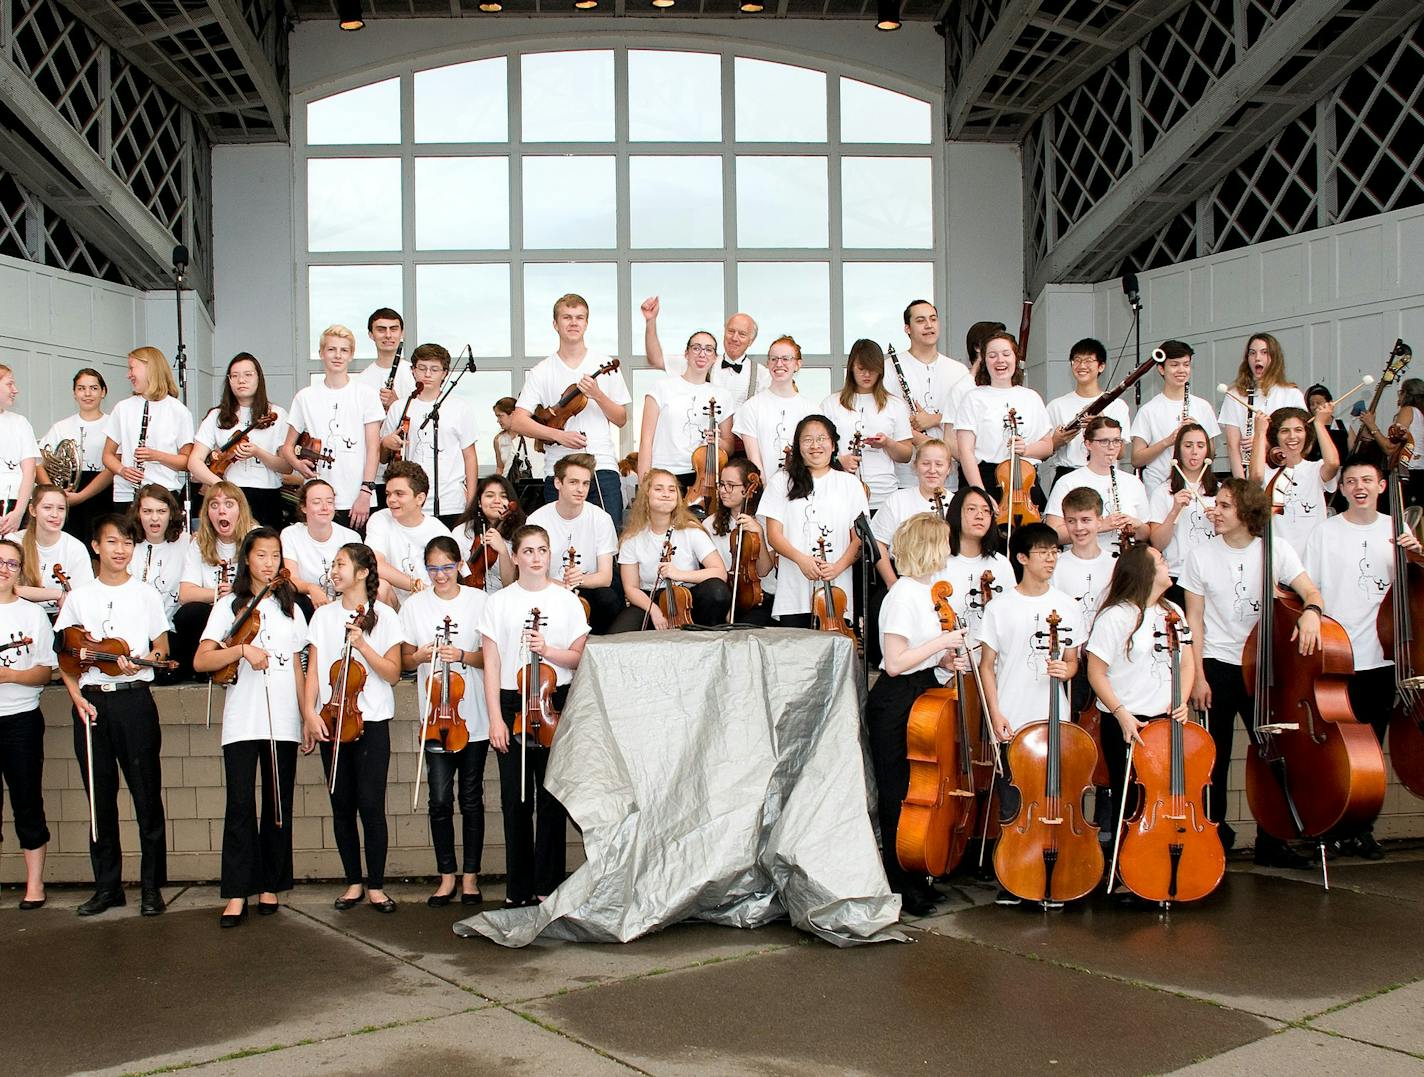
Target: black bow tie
<point x="735" y="368"/>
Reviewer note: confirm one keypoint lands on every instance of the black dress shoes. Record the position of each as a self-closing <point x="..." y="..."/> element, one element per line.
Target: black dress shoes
<point x="232" y="919"/>
<point x="472" y="899"/>
<point x="268" y="908"/>
<point x="439" y="901"/>
<point x="387" y="906"/>
<point x="343" y="903"/>
<point x="102" y="901"/>
<point x="26" y="904"/>
<point x="1280" y="856"/>
<point x="151" y="903"/>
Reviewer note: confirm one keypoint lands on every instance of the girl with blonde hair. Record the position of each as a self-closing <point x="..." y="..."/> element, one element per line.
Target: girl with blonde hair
<point x="150" y="434"/>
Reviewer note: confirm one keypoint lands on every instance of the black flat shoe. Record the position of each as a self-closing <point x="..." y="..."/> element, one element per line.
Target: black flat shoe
<point x="151" y="903"/>
<point x="387" y="906"/>
<point x="439" y="901"/>
<point x="344" y="903"/>
<point x="232" y="919"/>
<point x="102" y="902"/>
<point x="1282" y="857"/>
<point x="510" y="903"/>
<point x="26" y="905"/>
<point x="1366" y="847"/>
<point x="268" y="908"/>
<point x="916" y="905"/>
<point x="472" y="899"/>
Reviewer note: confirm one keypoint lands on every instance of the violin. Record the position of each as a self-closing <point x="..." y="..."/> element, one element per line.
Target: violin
<point x="1172" y="851"/>
<point x="246" y="626"/>
<point x="937" y="500"/>
<point x="674" y="599"/>
<point x="445" y="730"/>
<point x="342" y="712"/>
<point x="746" y="550"/>
<point x="537" y="680"/>
<point x="1313" y="769"/>
<point x="828" y="602"/>
<point x="62" y="578"/>
<point x="987" y="760"/>
<point x="937" y="814"/>
<point x="223" y="457"/>
<point x="482" y="557"/>
<point x="402" y="429"/>
<point x="571" y="561"/>
<point x="16" y="642"/>
<point x="1401" y="610"/>
<point x="708" y="459"/>
<point x="1049" y="852"/>
<point x="78" y="651"/>
<point x="1016" y="478"/>
<point x="570" y="403"/>
<point x="309" y="449"/>
<point x="856" y="447"/>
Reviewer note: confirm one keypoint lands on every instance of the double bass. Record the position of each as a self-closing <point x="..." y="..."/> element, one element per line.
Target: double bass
<point x="1401" y="610"/>
<point x="1049" y="852"/>
<point x="987" y="757"/>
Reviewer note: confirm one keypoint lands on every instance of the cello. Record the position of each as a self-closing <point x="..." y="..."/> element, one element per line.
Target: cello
<point x="1313" y="770"/>
<point x="1049" y="853"/>
<point x="1172" y="851"/>
<point x="708" y="459"/>
<point x="1401" y="610"/>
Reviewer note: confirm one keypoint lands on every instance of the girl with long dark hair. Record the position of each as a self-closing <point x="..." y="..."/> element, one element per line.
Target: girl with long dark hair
<point x="258" y="468"/>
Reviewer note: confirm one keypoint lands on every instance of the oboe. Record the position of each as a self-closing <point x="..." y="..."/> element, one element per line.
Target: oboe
<point x="142" y="437"/>
<point x="1249" y="433"/>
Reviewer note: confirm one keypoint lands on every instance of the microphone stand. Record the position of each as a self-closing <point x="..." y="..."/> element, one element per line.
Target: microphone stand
<point x="180" y="362"/>
<point x="869" y="555"/>
<point x="433" y="416"/>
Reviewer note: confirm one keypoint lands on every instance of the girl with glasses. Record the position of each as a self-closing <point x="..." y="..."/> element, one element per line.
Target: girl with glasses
<point x="737" y="511"/>
<point x="766" y="421"/>
<point x="676" y="414"/>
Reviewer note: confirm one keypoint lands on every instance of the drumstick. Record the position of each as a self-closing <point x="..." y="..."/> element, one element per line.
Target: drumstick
<point x="1187" y="485"/>
<point x="1367" y="380"/>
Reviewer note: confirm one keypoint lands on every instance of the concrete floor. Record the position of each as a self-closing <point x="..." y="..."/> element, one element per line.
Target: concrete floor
<point x="1269" y="976"/>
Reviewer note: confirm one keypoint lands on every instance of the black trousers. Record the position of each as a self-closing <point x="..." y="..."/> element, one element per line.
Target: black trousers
<point x="468" y="765"/>
<point x="887" y="715"/>
<point x="757" y="615"/>
<point x="604" y="604"/>
<point x="257" y="854"/>
<point x="711" y="599"/>
<point x="795" y="620"/>
<point x="1372" y="700"/>
<point x="22" y="769"/>
<point x="126" y="738"/>
<point x="188" y="623"/>
<point x="1114" y="750"/>
<point x="535" y="853"/>
<point x="1228" y="699"/>
<point x="267" y="505"/>
<point x="361" y="791"/>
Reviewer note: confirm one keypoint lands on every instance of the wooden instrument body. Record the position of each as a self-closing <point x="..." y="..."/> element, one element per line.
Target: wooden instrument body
<point x="570" y="403"/>
<point x="443" y="725"/>
<point x="537" y="713"/>
<point x="746" y="549"/>
<point x="310" y="449"/>
<point x="100" y="654"/>
<point x="1016" y="479"/>
<point x="675" y="600"/>
<point x="223" y="457"/>
<point x="1401" y="634"/>
<point x="828" y="610"/>
<point x="345" y="724"/>
<point x="244" y="634"/>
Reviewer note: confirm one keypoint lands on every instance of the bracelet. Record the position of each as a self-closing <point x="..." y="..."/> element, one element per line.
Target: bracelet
<point x="1312" y="606"/>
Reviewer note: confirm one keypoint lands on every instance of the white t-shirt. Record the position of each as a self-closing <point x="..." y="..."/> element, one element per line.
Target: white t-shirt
<point x="403" y="548"/>
<point x="170" y="427"/>
<point x="877" y="470"/>
<point x="1011" y="626"/>
<point x="1191" y="529"/>
<point x="203" y="574"/>
<point x="898" y="508"/>
<point x="160" y="566"/>
<point x="1233" y="413"/>
<point x="88" y="437"/>
<point x="772" y="420"/>
<point x="984" y="410"/>
<point x="1230" y="582"/>
<point x="1141" y="679"/>
<point x="337" y="418"/>
<point x="244" y="714"/>
<point x="327" y="634"/>
<point x="421" y="618"/>
<point x="1303" y="501"/>
<point x="250" y="473"/>
<point x="17" y="437"/>
<point x="130" y="611"/>
<point x="69" y="553"/>
<point x="1161" y="416"/>
<point x="733" y="386"/>
<point x="591" y="533"/>
<point x="908" y="612"/>
<point x="1131" y="497"/>
<point x="457" y="433"/>
<point x="375" y="377"/>
<point x="545" y="384"/>
<point x="1353" y="565"/>
<point x="19" y="619"/>
<point x="939" y="387"/>
<point x="506" y="615"/>
<point x="964" y="574"/>
<point x="1074" y="453"/>
<point x="1084" y="582"/>
<point x="690" y="547"/>
<point x="313" y="558"/>
<point x="682" y="420"/>
<point x="835" y="501"/>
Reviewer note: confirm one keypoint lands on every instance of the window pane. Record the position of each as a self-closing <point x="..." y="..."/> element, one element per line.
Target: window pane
<point x="479" y="391"/>
<point x="876" y="295"/>
<point x="461" y="203"/>
<point x="569" y="202"/>
<point x="544" y="282"/>
<point x="457" y="305"/>
<point x="886" y="202"/>
<point x="567" y="96"/>
<point x="779" y="103"/>
<point x="781" y="202"/>
<point x="674" y="96"/>
<point x="463" y="102"/>
<point x="676" y="201"/>
<point x="788" y="297"/>
<point x="815" y="382"/>
<point x="874" y="114"/>
<point x="690" y="296"/>
<point x="346" y="295"/>
<point x="369" y="115"/>
<point x="354" y="204"/>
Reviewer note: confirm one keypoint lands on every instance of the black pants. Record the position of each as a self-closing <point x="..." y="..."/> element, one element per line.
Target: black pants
<point x="267" y="506"/>
<point x="1228" y="699"/>
<point x="1114" y="750"/>
<point x="1414" y="487"/>
<point x="870" y="637"/>
<point x="361" y="790"/>
<point x="535" y="856"/>
<point x="80" y="520"/>
<point x="604" y="604"/>
<point x="257" y="856"/>
<point x="1372" y="700"/>
<point x="757" y="615"/>
<point x="468" y="765"/>
<point x="126" y="737"/>
<point x="796" y="620"/>
<point x="887" y="714"/>
<point x="22" y="769"/>
<point x="188" y="624"/>
<point x="711" y="599"/>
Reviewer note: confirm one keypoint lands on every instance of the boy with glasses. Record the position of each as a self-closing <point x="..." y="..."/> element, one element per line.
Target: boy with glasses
<point x="1124" y="496"/>
<point x="1087" y="360"/>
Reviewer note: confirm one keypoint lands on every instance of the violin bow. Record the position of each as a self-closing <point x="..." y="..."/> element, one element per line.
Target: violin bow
<point x="421" y="729"/>
<point x="736" y="571"/>
<point x="89" y="756"/>
<point x="272" y="743"/>
<point x="1122" y="812"/>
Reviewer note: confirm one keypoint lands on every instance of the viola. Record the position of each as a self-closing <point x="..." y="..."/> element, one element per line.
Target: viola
<point x="246" y="626"/>
<point x="746" y="550"/>
<point x="570" y="403"/>
<point x="1313" y="768"/>
<point x="402" y="429"/>
<point x="1050" y="852"/>
<point x="571" y="561"/>
<point x="708" y="459"/>
<point x="342" y="712"/>
<point x="1172" y="851"/>
<point x="225" y="455"/>
<point x="674" y="599"/>
<point x="828" y="602"/>
<point x="1016" y="478"/>
<point x="445" y="730"/>
<point x="16" y="642"/>
<point x="937" y="500"/>
<point x="1401" y="610"/>
<point x="78" y="651"/>
<point x="536" y="680"/>
<point x="482" y="557"/>
<point x="310" y="449"/>
<point x="937" y="814"/>
<point x="62" y="578"/>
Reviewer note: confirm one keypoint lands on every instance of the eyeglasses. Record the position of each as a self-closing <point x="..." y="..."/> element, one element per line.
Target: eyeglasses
<point x="1111" y="443"/>
<point x="440" y="570"/>
<point x="1083" y="360"/>
<point x="812" y="442"/>
<point x="723" y="484"/>
<point x="10" y="566"/>
<point x="773" y="359"/>
<point x="703" y="349"/>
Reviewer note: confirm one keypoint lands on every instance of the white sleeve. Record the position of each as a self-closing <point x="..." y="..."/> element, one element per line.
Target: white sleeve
<point x="606" y="538"/>
<point x="1288" y="565"/>
<point x="1109" y="634"/>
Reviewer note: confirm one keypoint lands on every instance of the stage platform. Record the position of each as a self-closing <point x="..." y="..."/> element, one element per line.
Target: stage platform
<point x="1271" y="975"/>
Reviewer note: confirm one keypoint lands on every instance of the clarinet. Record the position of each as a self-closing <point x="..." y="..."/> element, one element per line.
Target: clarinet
<point x="1249" y="434"/>
<point x="142" y="437"/>
<point x="148" y="560"/>
<point x="900" y="374"/>
<point x="1187" y="401"/>
<point x="395" y="365"/>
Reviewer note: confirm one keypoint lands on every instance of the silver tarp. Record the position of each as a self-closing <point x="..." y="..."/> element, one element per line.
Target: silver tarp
<point x="717" y="777"/>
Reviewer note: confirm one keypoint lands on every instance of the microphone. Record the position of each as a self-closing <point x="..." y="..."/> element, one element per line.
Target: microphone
<point x="470" y="359"/>
<point x="1129" y="287"/>
<point x="180" y="259"/>
<point x="869" y="548"/>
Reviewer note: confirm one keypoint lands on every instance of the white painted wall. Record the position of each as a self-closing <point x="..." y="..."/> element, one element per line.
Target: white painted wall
<point x="984" y="239"/>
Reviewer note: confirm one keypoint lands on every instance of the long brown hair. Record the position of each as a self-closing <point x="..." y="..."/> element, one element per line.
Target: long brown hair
<point x="1208" y="480"/>
<point x="207" y="537"/>
<point x="157" y="493"/>
<point x="639" y="513"/>
<point x="29" y="543"/>
<point x="228" y="405"/>
<point x="1275" y="372"/>
<point x="867" y="355"/>
<point x="1131" y="585"/>
<point x="720" y="522"/>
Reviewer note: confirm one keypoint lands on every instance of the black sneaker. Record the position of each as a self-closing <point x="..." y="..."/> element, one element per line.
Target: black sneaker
<point x="1368" y="848"/>
<point x="1004" y="897"/>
